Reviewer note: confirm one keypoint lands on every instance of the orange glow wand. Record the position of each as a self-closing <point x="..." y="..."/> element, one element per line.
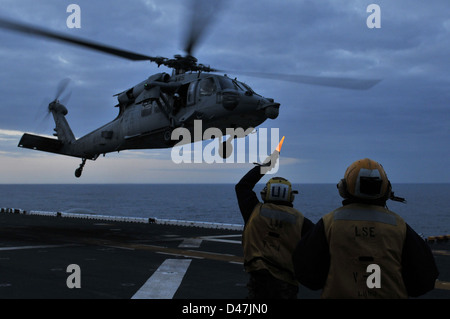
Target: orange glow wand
<point x="278" y="149"/>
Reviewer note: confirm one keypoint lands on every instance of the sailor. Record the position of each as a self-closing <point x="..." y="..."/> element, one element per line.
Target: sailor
<point x="271" y="232"/>
<point x="362" y="249"/>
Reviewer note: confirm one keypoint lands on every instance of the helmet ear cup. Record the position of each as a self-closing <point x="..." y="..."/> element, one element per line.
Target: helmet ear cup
<point x="264" y="194"/>
<point x="388" y="193"/>
<point x="342" y="187"/>
<point x="292" y="197"/>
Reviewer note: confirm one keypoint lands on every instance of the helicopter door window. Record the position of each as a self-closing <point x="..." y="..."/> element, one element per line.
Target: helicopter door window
<point x="207" y="86"/>
<point x="191" y="93"/>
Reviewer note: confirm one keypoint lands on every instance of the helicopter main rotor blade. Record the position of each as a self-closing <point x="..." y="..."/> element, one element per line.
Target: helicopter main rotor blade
<point x="201" y="15"/>
<point x="36" y="31"/>
<point x="337" y="82"/>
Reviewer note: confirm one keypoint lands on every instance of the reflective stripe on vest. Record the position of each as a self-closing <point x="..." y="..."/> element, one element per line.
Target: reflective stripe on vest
<point x="278" y="215"/>
<point x="364" y="215"/>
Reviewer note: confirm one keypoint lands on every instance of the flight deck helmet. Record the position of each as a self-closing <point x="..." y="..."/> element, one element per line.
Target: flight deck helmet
<point x="365" y="179"/>
<point x="278" y="189"/>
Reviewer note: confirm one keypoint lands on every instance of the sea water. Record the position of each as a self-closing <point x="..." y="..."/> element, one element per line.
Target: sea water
<point x="427" y="209"/>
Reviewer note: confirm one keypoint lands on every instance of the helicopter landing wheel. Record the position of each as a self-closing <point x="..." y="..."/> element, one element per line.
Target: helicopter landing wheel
<point x="79" y="170"/>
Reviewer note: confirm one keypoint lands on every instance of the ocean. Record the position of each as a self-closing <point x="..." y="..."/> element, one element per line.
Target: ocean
<point x="427" y="209"/>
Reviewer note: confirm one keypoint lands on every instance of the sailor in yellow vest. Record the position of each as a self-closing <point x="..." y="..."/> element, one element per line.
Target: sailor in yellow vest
<point x="272" y="230"/>
<point x="362" y="249"/>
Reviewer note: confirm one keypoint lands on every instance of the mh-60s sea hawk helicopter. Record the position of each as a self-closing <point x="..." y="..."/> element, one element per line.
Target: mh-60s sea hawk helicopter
<point x="152" y="109"/>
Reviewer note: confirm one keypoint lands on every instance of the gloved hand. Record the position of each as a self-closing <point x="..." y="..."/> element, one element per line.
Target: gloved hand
<point x="271" y="160"/>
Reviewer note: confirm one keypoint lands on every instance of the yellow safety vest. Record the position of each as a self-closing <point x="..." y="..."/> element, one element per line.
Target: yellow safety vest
<point x="269" y="239"/>
<point x="362" y="238"/>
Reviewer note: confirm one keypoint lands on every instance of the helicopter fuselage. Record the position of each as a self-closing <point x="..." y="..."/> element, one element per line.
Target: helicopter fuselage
<point x="151" y="110"/>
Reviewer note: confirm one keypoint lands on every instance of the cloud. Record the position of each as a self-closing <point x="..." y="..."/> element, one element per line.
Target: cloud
<point x="404" y="119"/>
<point x="115" y="168"/>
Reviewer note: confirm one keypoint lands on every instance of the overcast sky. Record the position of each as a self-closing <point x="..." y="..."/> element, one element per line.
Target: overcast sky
<point x="403" y="122"/>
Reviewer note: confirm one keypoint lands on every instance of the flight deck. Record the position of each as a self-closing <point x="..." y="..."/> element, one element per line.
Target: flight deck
<point x="75" y="256"/>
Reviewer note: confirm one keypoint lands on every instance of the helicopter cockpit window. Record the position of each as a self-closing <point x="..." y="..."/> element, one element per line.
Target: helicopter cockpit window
<point x="247" y="88"/>
<point x="226" y="83"/>
<point x="239" y="86"/>
<point x="207" y="86"/>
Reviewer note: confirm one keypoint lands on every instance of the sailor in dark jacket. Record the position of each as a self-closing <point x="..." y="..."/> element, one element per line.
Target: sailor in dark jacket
<point x="272" y="231"/>
<point x="362" y="249"/>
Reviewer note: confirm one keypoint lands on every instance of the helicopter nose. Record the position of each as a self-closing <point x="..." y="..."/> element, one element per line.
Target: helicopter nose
<point x="271" y="109"/>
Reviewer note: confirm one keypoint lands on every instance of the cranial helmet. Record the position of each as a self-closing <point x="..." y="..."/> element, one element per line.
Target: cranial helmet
<point x="278" y="189"/>
<point x="365" y="179"/>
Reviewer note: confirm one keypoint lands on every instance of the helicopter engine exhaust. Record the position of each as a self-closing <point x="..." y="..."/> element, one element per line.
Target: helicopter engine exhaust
<point x="129" y="96"/>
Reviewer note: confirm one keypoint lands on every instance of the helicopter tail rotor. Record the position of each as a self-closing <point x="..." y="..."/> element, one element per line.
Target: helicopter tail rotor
<point x="61" y="88"/>
<point x="62" y="96"/>
<point x="59" y="111"/>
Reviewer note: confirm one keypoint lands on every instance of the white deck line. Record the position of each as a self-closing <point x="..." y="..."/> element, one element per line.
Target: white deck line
<point x="164" y="282"/>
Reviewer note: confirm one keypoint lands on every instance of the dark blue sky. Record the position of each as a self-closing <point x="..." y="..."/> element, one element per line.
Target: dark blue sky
<point x="403" y="122"/>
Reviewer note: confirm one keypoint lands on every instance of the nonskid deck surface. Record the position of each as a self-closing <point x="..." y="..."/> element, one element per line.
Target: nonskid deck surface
<point x="54" y="255"/>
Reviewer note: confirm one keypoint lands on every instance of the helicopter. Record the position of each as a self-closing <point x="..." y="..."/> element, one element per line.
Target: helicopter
<point x="150" y="111"/>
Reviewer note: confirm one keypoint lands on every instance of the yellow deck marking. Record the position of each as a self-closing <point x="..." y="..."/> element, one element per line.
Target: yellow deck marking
<point x="187" y="253"/>
<point x="173" y="251"/>
<point x="441" y="252"/>
<point x="445" y="285"/>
